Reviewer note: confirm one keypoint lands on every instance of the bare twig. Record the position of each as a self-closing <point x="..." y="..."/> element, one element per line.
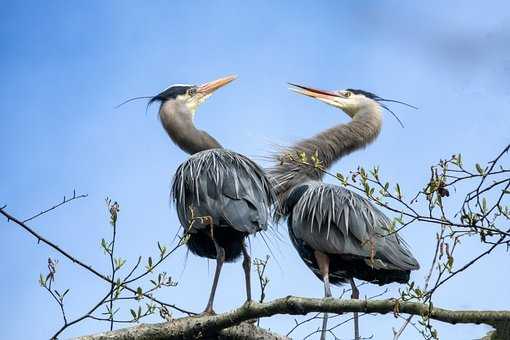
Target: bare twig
<point x="64" y="201"/>
<point x="82" y="264"/>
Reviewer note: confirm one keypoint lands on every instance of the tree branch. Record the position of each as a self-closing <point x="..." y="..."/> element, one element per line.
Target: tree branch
<point x="40" y="238"/>
<point x="243" y="331"/>
<point x="210" y="326"/>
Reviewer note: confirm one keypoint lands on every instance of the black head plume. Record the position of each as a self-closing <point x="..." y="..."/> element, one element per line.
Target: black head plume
<point x="378" y="99"/>
<point x="170" y="93"/>
<point x="132" y="99"/>
<point x="365" y="93"/>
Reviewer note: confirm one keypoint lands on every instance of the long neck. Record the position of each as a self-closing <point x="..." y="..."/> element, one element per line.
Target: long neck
<point x="178" y="123"/>
<point x="327" y="146"/>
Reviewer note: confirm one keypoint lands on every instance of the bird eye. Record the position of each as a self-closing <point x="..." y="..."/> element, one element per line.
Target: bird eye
<point x="192" y="91"/>
<point x="347" y="94"/>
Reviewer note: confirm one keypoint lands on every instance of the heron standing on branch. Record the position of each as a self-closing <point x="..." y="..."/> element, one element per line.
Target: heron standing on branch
<point x="221" y="196"/>
<point x="339" y="234"/>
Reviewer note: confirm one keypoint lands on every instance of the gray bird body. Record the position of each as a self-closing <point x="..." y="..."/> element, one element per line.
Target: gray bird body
<point x="226" y="187"/>
<point x="333" y="220"/>
<point x="221" y="197"/>
<point x="351" y="230"/>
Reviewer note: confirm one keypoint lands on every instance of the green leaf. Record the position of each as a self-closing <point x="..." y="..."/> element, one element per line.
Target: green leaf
<point x="449" y="264"/>
<point x="418" y="292"/>
<point x="119" y="263"/>
<point x="375" y="172"/>
<point x="484" y="205"/>
<point x="105" y="245"/>
<point x="149" y="266"/>
<point x="133" y="313"/>
<point x="399" y="192"/>
<point x="479" y="169"/>
<point x="150" y="308"/>
<point x="162" y="250"/>
<point x="139" y="293"/>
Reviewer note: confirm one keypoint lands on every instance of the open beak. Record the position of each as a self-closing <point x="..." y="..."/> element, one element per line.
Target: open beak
<point x="323" y="95"/>
<point x="208" y="88"/>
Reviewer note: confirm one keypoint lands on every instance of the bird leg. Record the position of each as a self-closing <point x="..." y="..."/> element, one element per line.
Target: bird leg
<point x="247" y="268"/>
<point x="323" y="262"/>
<point x="355" y="295"/>
<point x="220" y="258"/>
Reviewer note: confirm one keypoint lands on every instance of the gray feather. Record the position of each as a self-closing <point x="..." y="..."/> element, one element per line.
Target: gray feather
<point x="329" y="146"/>
<point x="332" y="219"/>
<point x="225" y="186"/>
<point x="352" y="229"/>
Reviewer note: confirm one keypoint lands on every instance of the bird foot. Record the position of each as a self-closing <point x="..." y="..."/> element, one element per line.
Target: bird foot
<point x="207" y="312"/>
<point x="247" y="303"/>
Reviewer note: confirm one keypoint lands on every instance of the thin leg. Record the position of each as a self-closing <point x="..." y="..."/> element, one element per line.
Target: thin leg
<point x="220" y="258"/>
<point x="355" y="295"/>
<point x="247" y="268"/>
<point x="323" y="262"/>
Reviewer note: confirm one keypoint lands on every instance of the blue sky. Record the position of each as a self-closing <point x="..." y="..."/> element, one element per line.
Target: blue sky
<point x="65" y="65"/>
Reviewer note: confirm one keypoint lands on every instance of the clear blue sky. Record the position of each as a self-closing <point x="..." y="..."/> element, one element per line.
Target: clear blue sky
<point x="65" y="65"/>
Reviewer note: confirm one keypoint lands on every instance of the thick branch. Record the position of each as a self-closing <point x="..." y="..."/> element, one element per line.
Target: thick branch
<point x="209" y="326"/>
<point x="243" y="331"/>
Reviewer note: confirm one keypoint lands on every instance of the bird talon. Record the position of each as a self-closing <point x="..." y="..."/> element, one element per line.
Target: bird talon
<point x="247" y="303"/>
<point x="207" y="312"/>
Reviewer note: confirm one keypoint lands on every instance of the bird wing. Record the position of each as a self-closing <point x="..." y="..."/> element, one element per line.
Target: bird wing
<point x="222" y="187"/>
<point x="335" y="220"/>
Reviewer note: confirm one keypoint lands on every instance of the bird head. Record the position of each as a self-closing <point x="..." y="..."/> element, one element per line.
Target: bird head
<point x="190" y="96"/>
<point x="351" y="101"/>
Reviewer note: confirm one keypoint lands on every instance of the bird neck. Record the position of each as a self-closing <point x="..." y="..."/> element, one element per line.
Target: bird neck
<point x="179" y="125"/>
<point x="327" y="147"/>
<point x="334" y="143"/>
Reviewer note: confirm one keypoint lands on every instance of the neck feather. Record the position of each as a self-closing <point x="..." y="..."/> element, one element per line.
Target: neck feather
<point x="329" y="146"/>
<point x="178" y="123"/>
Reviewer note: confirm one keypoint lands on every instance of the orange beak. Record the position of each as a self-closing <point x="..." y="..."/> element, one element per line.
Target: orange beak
<point x="210" y="87"/>
<point x="315" y="93"/>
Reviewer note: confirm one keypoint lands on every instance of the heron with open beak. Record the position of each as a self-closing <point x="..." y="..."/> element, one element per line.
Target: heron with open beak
<point x="339" y="234"/>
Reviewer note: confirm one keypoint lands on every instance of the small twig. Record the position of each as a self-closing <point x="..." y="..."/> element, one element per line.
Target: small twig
<point x="80" y="263"/>
<point x="464" y="267"/>
<point x="114" y="211"/>
<point x="64" y="201"/>
<point x="260" y="266"/>
<point x="86" y="315"/>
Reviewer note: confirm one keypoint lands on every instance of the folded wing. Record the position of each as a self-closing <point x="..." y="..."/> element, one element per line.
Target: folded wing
<point x="224" y="188"/>
<point x="340" y="222"/>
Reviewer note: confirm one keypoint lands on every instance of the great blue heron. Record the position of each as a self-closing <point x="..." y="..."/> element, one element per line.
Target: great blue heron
<point x="221" y="196"/>
<point x="339" y="234"/>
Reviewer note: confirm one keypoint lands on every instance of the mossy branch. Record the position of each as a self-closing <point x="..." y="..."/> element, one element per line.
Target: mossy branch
<point x="212" y="326"/>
